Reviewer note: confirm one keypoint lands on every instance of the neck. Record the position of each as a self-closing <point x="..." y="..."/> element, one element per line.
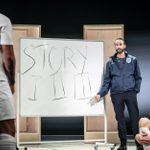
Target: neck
<point x="122" y="55"/>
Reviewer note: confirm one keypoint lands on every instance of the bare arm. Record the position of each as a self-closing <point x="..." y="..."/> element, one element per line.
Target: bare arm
<point x="9" y="64"/>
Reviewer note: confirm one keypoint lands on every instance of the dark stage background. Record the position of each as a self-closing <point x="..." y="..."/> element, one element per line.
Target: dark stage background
<point x="65" y="19"/>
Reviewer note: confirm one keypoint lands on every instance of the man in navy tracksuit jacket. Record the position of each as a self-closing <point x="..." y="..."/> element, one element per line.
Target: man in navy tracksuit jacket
<point x="123" y="78"/>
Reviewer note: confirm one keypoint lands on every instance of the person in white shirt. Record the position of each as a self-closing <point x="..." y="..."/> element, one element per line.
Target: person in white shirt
<point x="7" y="77"/>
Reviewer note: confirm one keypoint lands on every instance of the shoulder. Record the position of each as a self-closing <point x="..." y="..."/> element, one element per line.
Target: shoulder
<point x="131" y="57"/>
<point x="4" y="19"/>
<point x="5" y="30"/>
<point x="110" y="61"/>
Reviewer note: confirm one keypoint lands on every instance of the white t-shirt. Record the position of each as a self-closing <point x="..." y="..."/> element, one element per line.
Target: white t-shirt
<point x="6" y="99"/>
<point x="5" y="30"/>
<point x="5" y="39"/>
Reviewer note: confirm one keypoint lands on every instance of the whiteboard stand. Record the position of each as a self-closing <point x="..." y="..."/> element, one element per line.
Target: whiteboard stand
<point x="83" y="51"/>
<point x="98" y="144"/>
<point x="18" y="116"/>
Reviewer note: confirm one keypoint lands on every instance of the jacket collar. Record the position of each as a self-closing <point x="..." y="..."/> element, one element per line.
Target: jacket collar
<point x="114" y="57"/>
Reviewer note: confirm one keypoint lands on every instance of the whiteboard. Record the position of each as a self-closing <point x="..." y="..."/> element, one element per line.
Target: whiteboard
<point x="59" y="76"/>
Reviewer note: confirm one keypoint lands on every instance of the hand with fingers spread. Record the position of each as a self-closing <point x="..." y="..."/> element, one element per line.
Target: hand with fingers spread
<point x="95" y="99"/>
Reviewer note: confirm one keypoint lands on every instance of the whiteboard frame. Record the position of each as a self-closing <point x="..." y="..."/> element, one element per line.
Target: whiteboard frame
<point x="33" y="142"/>
<point x="92" y="110"/>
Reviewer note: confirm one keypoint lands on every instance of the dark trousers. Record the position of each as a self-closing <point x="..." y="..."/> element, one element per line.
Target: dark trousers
<point x="130" y="100"/>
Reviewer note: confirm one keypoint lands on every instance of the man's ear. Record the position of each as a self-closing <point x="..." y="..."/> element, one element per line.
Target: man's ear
<point x="124" y="46"/>
<point x="0" y="48"/>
